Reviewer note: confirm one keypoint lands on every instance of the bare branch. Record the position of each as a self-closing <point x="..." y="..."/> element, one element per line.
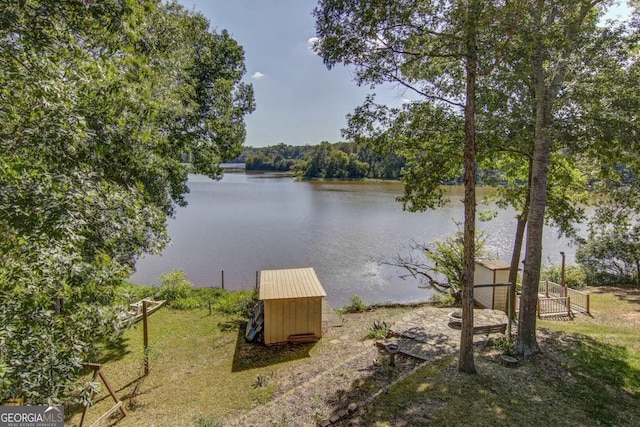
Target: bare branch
<point x="425" y="94"/>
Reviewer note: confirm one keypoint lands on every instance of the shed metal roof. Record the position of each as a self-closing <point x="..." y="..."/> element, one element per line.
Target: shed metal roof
<point x="493" y="264"/>
<point x="290" y="283"/>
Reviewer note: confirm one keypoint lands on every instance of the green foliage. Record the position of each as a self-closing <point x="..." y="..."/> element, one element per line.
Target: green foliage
<point x="180" y="294"/>
<point x="128" y="292"/>
<point x="356" y="305"/>
<point x="327" y="162"/>
<point x="446" y="260"/>
<point x="238" y="303"/>
<point x="100" y="100"/>
<point x="441" y="266"/>
<point x="611" y="259"/>
<point x="378" y="330"/>
<point x="278" y="164"/>
<point x="503" y="343"/>
<point x="447" y="256"/>
<point x="174" y="287"/>
<point x="187" y="303"/>
<point x="43" y="349"/>
<point x="443" y="298"/>
<point x="5" y="378"/>
<point x="574" y="276"/>
<point x="425" y="137"/>
<point x="341" y="160"/>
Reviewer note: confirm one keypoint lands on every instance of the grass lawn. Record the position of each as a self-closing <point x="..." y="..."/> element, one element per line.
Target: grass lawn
<point x="199" y="366"/>
<point x="588" y="374"/>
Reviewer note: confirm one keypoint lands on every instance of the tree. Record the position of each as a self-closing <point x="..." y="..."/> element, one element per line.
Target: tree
<point x="443" y="269"/>
<point x="433" y="48"/>
<point x="531" y="117"/>
<point x="612" y="258"/>
<point x="610" y="125"/>
<point x="99" y="101"/>
<point x="552" y="40"/>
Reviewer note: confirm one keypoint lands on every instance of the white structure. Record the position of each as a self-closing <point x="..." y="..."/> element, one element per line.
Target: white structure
<point x="488" y="272"/>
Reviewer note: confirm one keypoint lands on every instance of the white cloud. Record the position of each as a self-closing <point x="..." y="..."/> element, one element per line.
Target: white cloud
<point x="311" y="42"/>
<point x="406" y="101"/>
<point x="257" y="75"/>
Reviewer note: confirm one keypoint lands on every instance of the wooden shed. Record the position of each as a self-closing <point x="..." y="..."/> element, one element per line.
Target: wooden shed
<point x="491" y="271"/>
<point x="292" y="301"/>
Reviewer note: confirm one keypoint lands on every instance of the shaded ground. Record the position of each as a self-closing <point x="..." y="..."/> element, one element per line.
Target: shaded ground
<point x="353" y="370"/>
<point x="588" y="373"/>
<point x="202" y="367"/>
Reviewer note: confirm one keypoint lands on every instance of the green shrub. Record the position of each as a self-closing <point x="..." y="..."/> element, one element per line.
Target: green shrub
<point x="238" y="303"/>
<point x="503" y="343"/>
<point x="378" y="330"/>
<point x="128" y="292"/>
<point x="574" y="276"/>
<point x="174" y="287"/>
<point x="210" y="294"/>
<point x="356" y="306"/>
<point x="612" y="257"/>
<point x="444" y="299"/>
<point x="188" y="303"/>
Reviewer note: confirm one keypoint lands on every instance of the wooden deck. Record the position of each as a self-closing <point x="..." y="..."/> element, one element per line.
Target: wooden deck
<point x="134" y="312"/>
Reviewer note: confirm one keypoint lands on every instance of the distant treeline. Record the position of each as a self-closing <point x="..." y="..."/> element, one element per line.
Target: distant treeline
<point x="342" y="160"/>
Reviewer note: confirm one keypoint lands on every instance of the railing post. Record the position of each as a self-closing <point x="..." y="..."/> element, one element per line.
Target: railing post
<point x="546" y="288"/>
<point x="587" y="297"/>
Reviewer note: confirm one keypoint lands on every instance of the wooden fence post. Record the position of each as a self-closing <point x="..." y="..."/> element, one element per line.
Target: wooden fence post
<point x="145" y="337"/>
<point x="538" y="308"/>
<point x="222" y="279"/>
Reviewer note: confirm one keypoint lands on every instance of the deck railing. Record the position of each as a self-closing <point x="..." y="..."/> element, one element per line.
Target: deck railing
<point x="579" y="300"/>
<point x="554" y="300"/>
<point x="554" y="306"/>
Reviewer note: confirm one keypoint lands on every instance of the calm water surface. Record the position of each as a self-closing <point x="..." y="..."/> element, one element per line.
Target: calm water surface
<point x="249" y="222"/>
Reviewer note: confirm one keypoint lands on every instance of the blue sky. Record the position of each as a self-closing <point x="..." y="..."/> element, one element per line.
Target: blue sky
<point x="298" y="100"/>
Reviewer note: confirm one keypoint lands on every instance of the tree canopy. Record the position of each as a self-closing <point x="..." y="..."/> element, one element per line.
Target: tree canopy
<point x="539" y="74"/>
<point x="98" y="103"/>
<point x="438" y="49"/>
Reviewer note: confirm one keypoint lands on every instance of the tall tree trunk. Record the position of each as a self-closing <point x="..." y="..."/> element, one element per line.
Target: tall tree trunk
<point x="466" y="361"/>
<point x="545" y="93"/>
<point x="515" y="259"/>
<point x="527" y="344"/>
<point x="517" y="247"/>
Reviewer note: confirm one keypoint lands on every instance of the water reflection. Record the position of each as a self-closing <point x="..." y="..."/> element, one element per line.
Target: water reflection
<point x="249" y="222"/>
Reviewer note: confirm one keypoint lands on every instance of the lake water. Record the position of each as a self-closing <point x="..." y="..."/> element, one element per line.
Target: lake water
<point x="249" y="222"/>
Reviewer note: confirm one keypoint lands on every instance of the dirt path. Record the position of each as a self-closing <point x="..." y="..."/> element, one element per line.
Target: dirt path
<point x="346" y="369"/>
